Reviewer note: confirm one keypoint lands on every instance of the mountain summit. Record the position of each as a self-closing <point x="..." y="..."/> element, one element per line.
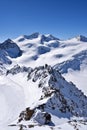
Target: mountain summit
<point x="51" y="98"/>
<point x="9" y="49"/>
<point x="81" y="38"/>
<point x="43" y="38"/>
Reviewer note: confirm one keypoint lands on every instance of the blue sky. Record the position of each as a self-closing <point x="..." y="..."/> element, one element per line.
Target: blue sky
<point x="62" y="18"/>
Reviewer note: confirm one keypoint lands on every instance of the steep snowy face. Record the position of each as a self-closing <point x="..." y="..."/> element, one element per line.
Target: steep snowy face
<point x="43" y="38"/>
<point x="56" y="94"/>
<point x="63" y="96"/>
<point x="32" y="36"/>
<point x="8" y="50"/>
<point x="27" y="37"/>
<point x="3" y="57"/>
<point x="11" y="48"/>
<point x="49" y="99"/>
<point x="47" y="38"/>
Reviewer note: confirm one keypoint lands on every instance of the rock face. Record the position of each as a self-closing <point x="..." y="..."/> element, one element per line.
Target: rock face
<point x="62" y="95"/>
<point x="26" y="115"/>
<point x="45" y="38"/>
<point x="17" y="69"/>
<point x="43" y="118"/>
<point x="40" y="117"/>
<point x="11" y="48"/>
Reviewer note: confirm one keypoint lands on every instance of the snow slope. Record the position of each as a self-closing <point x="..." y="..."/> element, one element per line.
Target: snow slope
<point x="37" y="87"/>
<point x="64" y="55"/>
<point x="45" y="90"/>
<point x="60" y="52"/>
<point x="12" y="101"/>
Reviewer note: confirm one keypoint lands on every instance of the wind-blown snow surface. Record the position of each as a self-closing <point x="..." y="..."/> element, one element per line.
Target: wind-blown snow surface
<point x="62" y="54"/>
<point x="11" y="99"/>
<point x="17" y="92"/>
<point x="38" y="50"/>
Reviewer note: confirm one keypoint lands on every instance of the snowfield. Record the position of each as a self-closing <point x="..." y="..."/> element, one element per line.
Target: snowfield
<point x="35" y="95"/>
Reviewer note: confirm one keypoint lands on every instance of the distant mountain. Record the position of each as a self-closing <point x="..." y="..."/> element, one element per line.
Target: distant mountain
<point x="81" y="38"/>
<point x="47" y="38"/>
<point x="26" y="37"/>
<point x="64" y="54"/>
<point x="9" y="49"/>
<point x="43" y="38"/>
<point x="47" y="48"/>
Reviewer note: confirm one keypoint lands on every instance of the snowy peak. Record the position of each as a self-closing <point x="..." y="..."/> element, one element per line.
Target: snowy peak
<point x="47" y="38"/>
<point x="7" y="44"/>
<point x="11" y="48"/>
<point x="52" y="37"/>
<point x="81" y="38"/>
<point x="56" y="93"/>
<point x="32" y="36"/>
<point x="43" y="38"/>
<point x="28" y="37"/>
<point x="8" y="41"/>
<point x="77" y="39"/>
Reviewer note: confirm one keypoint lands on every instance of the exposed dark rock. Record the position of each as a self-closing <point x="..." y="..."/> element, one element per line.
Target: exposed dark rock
<point x="26" y="115"/>
<point x="11" y="48"/>
<point x="43" y="118"/>
<point x="17" y="69"/>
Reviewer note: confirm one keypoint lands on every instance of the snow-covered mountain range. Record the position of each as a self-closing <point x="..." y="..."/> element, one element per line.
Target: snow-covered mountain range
<point x="33" y="87"/>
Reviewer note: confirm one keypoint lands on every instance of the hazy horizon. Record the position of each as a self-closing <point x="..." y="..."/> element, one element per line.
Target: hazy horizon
<point x="63" y="19"/>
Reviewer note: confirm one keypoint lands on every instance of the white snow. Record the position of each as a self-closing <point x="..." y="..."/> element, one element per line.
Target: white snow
<point x="11" y="99"/>
<point x="16" y="93"/>
<point x="79" y="78"/>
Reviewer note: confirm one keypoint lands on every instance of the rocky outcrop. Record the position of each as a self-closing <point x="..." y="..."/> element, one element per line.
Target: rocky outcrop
<point x="17" y="69"/>
<point x="56" y="96"/>
<point x="11" y="48"/>
<point x="26" y="114"/>
<point x="43" y="118"/>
